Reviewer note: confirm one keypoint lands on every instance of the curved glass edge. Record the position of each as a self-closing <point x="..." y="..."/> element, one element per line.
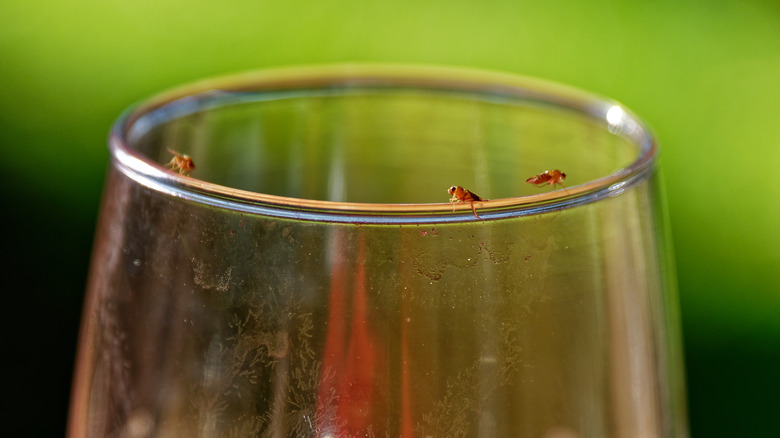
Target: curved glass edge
<point x="179" y="102"/>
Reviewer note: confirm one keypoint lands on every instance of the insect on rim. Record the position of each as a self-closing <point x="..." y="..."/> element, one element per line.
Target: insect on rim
<point x="188" y="99"/>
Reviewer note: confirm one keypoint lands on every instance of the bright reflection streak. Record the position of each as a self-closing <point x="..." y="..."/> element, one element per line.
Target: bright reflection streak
<point x="616" y="116"/>
<point x="619" y="121"/>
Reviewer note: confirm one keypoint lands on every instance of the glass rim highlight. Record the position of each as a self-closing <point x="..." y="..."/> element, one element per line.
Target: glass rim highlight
<point x="187" y="99"/>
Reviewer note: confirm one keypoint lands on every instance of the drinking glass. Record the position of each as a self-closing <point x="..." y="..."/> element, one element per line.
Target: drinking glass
<point x="309" y="277"/>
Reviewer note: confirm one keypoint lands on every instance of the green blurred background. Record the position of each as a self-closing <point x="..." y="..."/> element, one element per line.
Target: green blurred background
<point x="704" y="74"/>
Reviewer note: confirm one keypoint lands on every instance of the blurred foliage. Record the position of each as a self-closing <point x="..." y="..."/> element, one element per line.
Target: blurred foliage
<point x="703" y="74"/>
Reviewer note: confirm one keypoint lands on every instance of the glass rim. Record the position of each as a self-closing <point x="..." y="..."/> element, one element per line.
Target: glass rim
<point x="616" y="118"/>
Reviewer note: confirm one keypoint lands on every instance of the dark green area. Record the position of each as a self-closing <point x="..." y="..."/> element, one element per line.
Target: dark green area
<point x="703" y="74"/>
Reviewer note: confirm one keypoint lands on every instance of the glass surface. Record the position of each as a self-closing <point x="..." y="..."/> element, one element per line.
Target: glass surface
<point x="310" y="279"/>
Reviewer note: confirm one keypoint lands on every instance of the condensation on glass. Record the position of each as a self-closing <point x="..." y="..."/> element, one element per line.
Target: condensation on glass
<point x="310" y="278"/>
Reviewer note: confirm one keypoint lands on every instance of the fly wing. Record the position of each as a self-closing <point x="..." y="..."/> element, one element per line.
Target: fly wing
<point x="474" y="196"/>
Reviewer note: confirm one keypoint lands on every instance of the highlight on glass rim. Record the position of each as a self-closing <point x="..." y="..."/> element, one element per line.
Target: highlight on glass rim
<point x="308" y="277"/>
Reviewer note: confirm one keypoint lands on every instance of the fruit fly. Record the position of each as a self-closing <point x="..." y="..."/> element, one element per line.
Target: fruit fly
<point x="459" y="194"/>
<point x="551" y="177"/>
<point x="181" y="162"/>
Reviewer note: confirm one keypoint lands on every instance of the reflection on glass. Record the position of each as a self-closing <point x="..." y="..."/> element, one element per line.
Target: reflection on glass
<point x="310" y="278"/>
